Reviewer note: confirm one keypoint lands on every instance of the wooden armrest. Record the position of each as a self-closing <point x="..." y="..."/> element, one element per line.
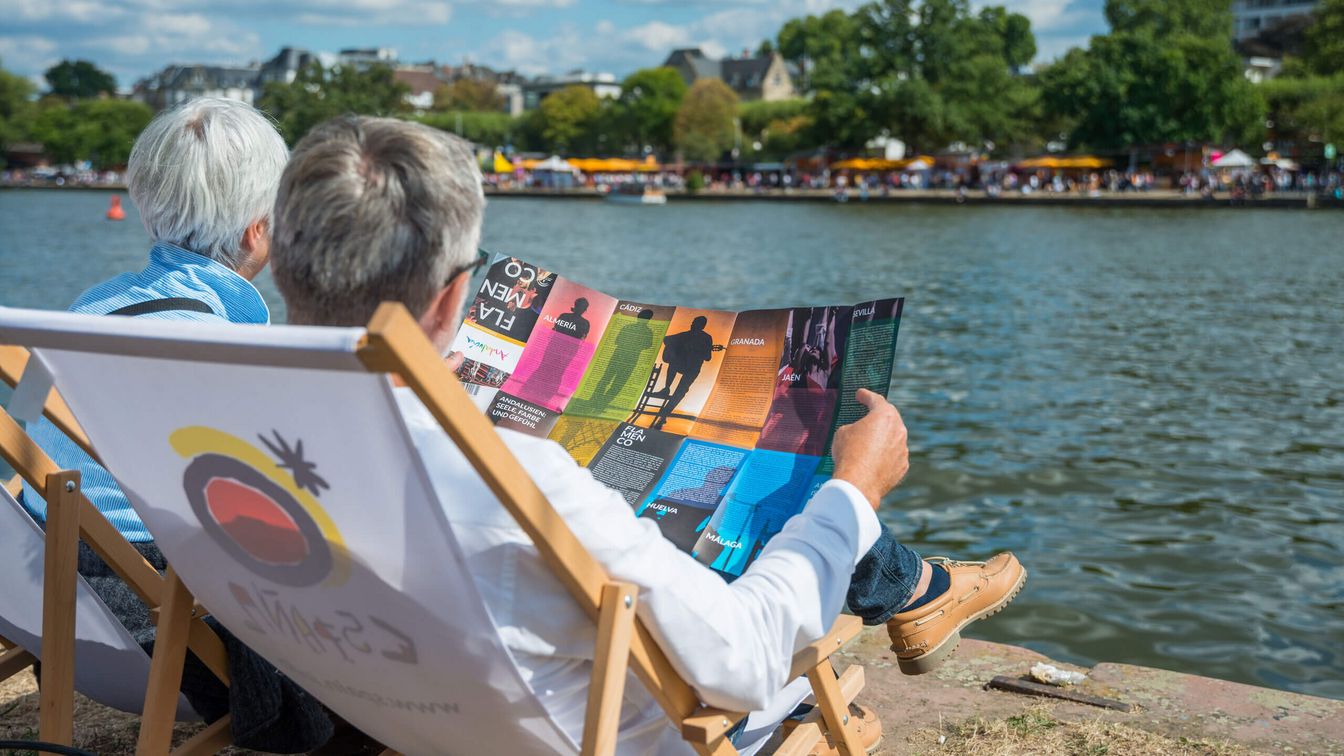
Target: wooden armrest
<point x="708" y="723"/>
<point x="845" y="629"/>
<point x="801" y="741"/>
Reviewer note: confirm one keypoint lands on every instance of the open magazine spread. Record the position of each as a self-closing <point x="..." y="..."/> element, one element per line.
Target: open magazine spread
<point x="715" y="424"/>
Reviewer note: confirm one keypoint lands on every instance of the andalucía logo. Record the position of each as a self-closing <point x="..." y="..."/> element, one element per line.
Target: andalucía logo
<point x="262" y="512"/>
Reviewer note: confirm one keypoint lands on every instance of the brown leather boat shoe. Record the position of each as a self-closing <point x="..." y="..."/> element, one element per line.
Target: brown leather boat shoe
<point x="924" y="637"/>
<point x="869" y="730"/>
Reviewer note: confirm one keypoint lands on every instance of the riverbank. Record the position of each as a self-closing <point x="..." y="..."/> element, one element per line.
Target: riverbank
<point x="1150" y="199"/>
<point x="951" y="711"/>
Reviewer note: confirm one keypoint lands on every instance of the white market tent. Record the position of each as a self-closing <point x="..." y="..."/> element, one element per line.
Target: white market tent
<point x="919" y="164"/>
<point x="1234" y="159"/>
<point x="556" y="164"/>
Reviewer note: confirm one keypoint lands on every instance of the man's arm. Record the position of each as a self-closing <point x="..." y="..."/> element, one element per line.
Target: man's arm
<point x="735" y="642"/>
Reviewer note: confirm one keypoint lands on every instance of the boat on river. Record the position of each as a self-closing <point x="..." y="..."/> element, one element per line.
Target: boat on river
<point x="637" y="194"/>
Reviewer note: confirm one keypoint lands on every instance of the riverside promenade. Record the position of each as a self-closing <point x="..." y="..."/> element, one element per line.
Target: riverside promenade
<point x="1158" y="198"/>
<point x="951" y="711"/>
<point x="1154" y="198"/>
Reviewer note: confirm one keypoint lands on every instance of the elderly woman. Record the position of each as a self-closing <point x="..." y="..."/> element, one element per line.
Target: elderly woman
<point x="204" y="177"/>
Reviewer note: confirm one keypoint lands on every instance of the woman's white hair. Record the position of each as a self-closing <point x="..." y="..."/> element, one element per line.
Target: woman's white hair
<point x="203" y="172"/>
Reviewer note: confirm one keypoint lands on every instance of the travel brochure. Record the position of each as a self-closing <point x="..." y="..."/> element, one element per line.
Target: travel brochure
<point x="717" y="425"/>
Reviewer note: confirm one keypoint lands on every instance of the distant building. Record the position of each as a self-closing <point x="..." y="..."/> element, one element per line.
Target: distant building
<point x="179" y="83"/>
<point x="423" y="81"/>
<point x="363" y="57"/>
<point x="508" y="84"/>
<point x="602" y="84"/>
<point x="1253" y="17"/>
<point x="765" y="77"/>
<point x="284" y="67"/>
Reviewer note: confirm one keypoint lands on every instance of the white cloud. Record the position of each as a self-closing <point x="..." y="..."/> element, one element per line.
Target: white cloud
<point x="368" y="12"/>
<point x="657" y="36"/>
<point x="562" y="51"/>
<point x="28" y="53"/>
<point x="535" y="3"/>
<point x="78" y="11"/>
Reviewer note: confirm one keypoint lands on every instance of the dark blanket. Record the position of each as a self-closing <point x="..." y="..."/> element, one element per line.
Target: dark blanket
<point x="270" y="712"/>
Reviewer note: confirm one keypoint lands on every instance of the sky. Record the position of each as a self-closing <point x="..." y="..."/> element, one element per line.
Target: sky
<point x="134" y="38"/>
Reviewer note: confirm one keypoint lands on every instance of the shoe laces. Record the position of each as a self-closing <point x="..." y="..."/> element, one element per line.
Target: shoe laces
<point x="950" y="562"/>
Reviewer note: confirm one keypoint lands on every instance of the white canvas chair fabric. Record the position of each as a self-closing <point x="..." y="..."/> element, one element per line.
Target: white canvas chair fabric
<point x="293" y="506"/>
<point x="110" y="667"/>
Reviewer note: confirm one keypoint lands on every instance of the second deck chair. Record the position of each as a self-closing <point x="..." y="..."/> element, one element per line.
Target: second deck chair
<point x="276" y="474"/>
<point x="110" y="667"/>
<point x="104" y="663"/>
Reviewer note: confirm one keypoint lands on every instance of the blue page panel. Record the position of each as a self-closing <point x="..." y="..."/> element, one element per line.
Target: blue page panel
<point x="772" y="487"/>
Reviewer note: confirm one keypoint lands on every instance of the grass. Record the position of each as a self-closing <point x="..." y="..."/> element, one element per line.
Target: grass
<point x="1036" y="731"/>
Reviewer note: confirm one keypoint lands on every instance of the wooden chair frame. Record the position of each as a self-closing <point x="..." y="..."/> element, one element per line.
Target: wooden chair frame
<point x="395" y="345"/>
<point x="70" y="517"/>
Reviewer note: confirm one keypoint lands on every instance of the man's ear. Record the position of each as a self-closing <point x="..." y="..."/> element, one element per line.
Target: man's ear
<point x="439" y="321"/>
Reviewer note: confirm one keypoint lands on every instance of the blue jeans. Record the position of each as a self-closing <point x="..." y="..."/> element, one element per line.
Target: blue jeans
<point x="884" y="581"/>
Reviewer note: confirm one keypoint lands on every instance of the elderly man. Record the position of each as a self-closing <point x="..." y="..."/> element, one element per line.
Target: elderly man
<point x="204" y="177"/>
<point x="376" y="209"/>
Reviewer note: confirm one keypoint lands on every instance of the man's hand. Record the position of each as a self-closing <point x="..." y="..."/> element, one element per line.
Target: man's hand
<point x="871" y="453"/>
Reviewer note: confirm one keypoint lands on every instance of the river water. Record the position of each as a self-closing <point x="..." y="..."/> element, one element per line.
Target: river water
<point x="1146" y="405"/>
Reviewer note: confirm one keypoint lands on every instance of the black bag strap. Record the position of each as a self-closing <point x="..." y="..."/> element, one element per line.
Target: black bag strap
<point x="168" y="304"/>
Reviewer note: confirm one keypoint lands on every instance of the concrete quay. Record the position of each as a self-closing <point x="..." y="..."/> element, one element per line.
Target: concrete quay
<point x="1177" y="713"/>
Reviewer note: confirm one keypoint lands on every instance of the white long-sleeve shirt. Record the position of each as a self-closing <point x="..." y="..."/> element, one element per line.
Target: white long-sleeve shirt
<point x="734" y="643"/>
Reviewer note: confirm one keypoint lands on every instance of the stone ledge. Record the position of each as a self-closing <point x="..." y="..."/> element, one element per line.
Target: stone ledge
<point x="1167" y="703"/>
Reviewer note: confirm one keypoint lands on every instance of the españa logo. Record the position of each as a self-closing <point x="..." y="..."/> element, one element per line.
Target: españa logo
<point x="263" y="512"/>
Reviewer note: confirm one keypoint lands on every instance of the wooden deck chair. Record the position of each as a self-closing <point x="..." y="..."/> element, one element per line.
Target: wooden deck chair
<point x="48" y="612"/>
<point x="276" y="474"/>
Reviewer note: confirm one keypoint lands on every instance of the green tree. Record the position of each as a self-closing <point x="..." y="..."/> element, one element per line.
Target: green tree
<point x="1162" y="18"/>
<point x="782" y="127"/>
<point x="706" y="122"/>
<point x="79" y="80"/>
<point x="319" y="93"/>
<point x="16" y="107"/>
<point x="815" y="42"/>
<point x="100" y="131"/>
<point x="468" y="94"/>
<point x="566" y="121"/>
<point x="929" y="73"/>
<point x="1165" y="73"/>
<point x="1306" y="113"/>
<point x="1324" y="44"/>
<point x="487" y="128"/>
<point x="648" y="106"/>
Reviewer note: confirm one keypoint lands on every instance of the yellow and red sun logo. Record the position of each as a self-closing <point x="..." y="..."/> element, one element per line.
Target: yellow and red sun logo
<point x="263" y="512"/>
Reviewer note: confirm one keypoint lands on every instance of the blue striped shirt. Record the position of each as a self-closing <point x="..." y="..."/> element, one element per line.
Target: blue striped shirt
<point x="172" y="272"/>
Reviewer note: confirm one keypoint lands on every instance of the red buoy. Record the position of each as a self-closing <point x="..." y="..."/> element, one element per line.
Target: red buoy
<point x="114" y="211"/>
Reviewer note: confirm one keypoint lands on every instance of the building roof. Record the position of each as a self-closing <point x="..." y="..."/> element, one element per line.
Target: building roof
<point x="694" y="58"/>
<point x="740" y="74"/>
<point x="420" y="81"/>
<point x="745" y="73"/>
<point x="203" y="78"/>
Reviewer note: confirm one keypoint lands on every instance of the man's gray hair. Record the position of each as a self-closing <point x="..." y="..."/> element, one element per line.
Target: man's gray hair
<point x="203" y="172"/>
<point x="373" y="210"/>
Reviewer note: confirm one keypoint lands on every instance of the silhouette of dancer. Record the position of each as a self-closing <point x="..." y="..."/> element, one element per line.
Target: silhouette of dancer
<point x="684" y="354"/>
<point x="543" y="385"/>
<point x="573" y="323"/>
<point x="631" y="342"/>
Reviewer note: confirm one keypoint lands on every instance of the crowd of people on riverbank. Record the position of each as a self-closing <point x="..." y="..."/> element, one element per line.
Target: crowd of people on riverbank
<point x="994" y="180"/>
